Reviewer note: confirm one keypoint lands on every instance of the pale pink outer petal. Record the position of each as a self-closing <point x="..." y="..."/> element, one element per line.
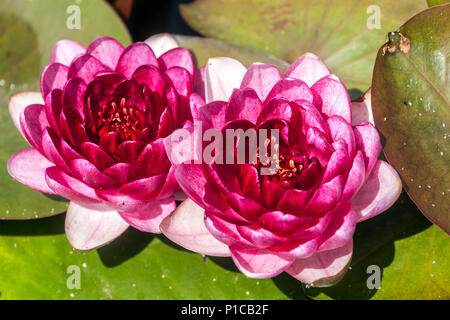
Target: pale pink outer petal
<point x="339" y="231"/>
<point x="93" y="226"/>
<point x="28" y="167"/>
<point x="259" y="263"/>
<point x="64" y="51"/>
<point x="68" y="187"/>
<point x="19" y="101"/>
<point x="261" y="77"/>
<point x="368" y="141"/>
<point x="186" y="227"/>
<point x="179" y="146"/>
<point x="161" y="43"/>
<point x="149" y="218"/>
<point x="323" y="268"/>
<point x="33" y="122"/>
<point x="223" y="74"/>
<point x="334" y="97"/>
<point x="107" y="50"/>
<point x="362" y="109"/>
<point x="381" y="189"/>
<point x="308" y="68"/>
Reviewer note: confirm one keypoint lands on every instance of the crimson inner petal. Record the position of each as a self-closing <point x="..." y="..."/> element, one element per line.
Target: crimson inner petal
<point x="108" y="110"/>
<point x="292" y="170"/>
<point x="125" y="119"/>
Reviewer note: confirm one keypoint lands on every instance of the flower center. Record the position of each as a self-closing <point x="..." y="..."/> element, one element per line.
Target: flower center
<point x="288" y="171"/>
<point x="288" y="168"/>
<point x="124" y="118"/>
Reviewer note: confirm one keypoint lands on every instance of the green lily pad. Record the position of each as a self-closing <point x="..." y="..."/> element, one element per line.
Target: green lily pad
<point x="413" y="257"/>
<point x="432" y="3"/>
<point x="410" y="99"/>
<point x="204" y="48"/>
<point x="29" y="31"/>
<point x="136" y="266"/>
<point x="343" y="34"/>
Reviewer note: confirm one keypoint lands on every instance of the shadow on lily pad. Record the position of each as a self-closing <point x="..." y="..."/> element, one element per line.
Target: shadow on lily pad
<point x="128" y="245"/>
<point x="374" y="245"/>
<point x="37" y="227"/>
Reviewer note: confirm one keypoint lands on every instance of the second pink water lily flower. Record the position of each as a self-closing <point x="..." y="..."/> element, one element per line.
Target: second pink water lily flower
<point x="97" y="129"/>
<point x="300" y="219"/>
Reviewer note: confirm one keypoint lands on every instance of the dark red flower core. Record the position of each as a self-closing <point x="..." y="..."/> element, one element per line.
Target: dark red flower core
<point x="289" y="171"/>
<point x="294" y="171"/>
<point x="293" y="168"/>
<point x="125" y="119"/>
<point x="124" y="111"/>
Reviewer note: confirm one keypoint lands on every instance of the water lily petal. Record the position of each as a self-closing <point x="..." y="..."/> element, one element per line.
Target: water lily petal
<point x="89" y="174"/>
<point x="161" y="43"/>
<point x="279" y="222"/>
<point x="64" y="51"/>
<point x="340" y="230"/>
<point x="259" y="263"/>
<point x="97" y="156"/>
<point x="73" y="96"/>
<point x="246" y="207"/>
<point x="318" y="146"/>
<point x="271" y="194"/>
<point x="68" y="187"/>
<point x="294" y="200"/>
<point x="33" y="121"/>
<point x="338" y="163"/>
<point x="261" y="77"/>
<point x="276" y="109"/>
<point x="28" y="167"/>
<point x="177" y="57"/>
<point x="179" y="146"/>
<point x="171" y="187"/>
<point x="362" y="109"/>
<point x="181" y="80"/>
<point x="186" y="227"/>
<point x="381" y="190"/>
<point x="124" y="173"/>
<point x="149" y="218"/>
<point x="334" y="97"/>
<point x="244" y="105"/>
<point x="213" y="115"/>
<point x="192" y="180"/>
<point x="296" y="249"/>
<point x="54" y="76"/>
<point x="19" y="101"/>
<point x="260" y="237"/>
<point x="86" y="67"/>
<point x="93" y="226"/>
<point x="145" y="188"/>
<point x="120" y="201"/>
<point x="290" y="89"/>
<point x="107" y="50"/>
<point x="308" y="68"/>
<point x="50" y="143"/>
<point x="200" y="82"/>
<point x="326" y="196"/>
<point x="368" y="141"/>
<point x="342" y="130"/>
<point x="152" y="77"/>
<point x="323" y="269"/>
<point x="134" y="56"/>
<point x="223" y="74"/>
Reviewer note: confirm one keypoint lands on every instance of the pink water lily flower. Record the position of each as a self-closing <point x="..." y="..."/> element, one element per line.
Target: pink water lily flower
<point x="302" y="217"/>
<point x="96" y="131"/>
